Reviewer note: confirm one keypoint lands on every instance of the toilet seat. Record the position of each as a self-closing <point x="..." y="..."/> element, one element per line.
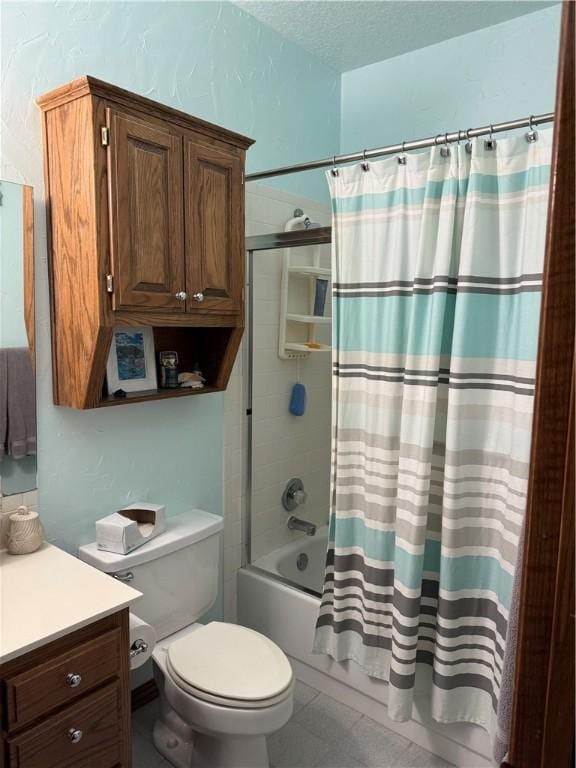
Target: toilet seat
<point x="230" y="665"/>
<point x="222" y="701"/>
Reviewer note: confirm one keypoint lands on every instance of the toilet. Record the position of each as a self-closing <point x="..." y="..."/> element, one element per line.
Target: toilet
<point x="223" y="688"/>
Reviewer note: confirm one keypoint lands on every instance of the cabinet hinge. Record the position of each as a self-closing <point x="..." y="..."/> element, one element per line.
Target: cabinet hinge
<point x="110" y="283"/>
<point x="105" y="135"/>
<point x="242" y="178"/>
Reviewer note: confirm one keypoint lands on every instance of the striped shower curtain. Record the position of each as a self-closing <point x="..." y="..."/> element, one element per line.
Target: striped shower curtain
<point x="437" y="270"/>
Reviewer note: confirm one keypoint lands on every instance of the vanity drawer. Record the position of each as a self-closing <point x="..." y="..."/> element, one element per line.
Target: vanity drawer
<point x="86" y="734"/>
<point x="46" y="686"/>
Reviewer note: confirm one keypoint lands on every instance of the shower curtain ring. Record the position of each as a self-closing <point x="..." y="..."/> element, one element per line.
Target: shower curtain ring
<point x="402" y="156"/>
<point x="490" y="143"/>
<point x="334" y="171"/>
<point x="468" y="146"/>
<point x="445" y="150"/>
<point x="365" y="163"/>
<point x="532" y="133"/>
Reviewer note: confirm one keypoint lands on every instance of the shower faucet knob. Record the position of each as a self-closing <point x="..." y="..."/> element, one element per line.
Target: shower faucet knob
<point x="294" y="494"/>
<point x="299" y="497"/>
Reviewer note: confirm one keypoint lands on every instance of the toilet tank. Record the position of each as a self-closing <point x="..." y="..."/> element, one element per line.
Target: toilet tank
<point x="177" y="572"/>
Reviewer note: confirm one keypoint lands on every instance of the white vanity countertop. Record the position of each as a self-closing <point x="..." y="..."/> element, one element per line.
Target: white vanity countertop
<point x="48" y="594"/>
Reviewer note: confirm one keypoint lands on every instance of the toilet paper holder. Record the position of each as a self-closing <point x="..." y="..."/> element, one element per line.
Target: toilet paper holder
<point x="138" y="646"/>
<point x="141" y="643"/>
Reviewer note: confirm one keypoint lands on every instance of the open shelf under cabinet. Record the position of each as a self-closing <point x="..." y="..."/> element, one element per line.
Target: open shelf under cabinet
<point x="211" y="349"/>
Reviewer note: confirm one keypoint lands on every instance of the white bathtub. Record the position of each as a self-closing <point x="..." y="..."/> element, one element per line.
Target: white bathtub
<point x="280" y="600"/>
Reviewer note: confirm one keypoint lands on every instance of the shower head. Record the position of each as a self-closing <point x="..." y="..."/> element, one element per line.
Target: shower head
<point x="300" y="220"/>
<point x="305" y="220"/>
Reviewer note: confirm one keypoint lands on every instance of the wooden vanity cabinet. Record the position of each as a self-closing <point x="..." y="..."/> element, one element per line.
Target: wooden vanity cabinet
<point x="146" y="227"/>
<point x="67" y="704"/>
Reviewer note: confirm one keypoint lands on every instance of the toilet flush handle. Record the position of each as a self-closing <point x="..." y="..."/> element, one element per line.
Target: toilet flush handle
<point x="126" y="576"/>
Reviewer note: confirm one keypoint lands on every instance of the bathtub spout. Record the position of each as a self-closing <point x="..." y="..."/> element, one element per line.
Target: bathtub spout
<point x="295" y="524"/>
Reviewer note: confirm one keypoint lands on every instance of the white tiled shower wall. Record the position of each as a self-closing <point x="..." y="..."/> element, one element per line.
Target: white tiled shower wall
<point x="284" y="446"/>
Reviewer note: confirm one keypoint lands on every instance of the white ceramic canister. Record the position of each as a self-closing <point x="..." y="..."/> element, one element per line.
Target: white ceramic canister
<point x="26" y="533"/>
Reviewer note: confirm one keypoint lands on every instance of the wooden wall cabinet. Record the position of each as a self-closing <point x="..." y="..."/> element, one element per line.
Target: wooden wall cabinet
<point x="146" y="227"/>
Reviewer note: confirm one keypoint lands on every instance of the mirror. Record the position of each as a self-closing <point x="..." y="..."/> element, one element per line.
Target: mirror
<point x="17" y="349"/>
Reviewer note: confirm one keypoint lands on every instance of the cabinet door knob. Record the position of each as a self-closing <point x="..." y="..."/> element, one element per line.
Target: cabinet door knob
<point x="75" y="735"/>
<point x="73" y="680"/>
<point x="198" y="296"/>
<point x="181" y="295"/>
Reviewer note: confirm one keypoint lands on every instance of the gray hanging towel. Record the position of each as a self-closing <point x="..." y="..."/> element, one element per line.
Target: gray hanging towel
<point x="21" y="404"/>
<point x="3" y="401"/>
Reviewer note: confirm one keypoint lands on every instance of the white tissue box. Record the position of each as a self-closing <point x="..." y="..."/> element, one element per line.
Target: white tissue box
<point x="130" y="527"/>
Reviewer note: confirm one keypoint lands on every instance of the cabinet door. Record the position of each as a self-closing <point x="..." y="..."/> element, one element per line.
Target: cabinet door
<point x="146" y="215"/>
<point x="214" y="225"/>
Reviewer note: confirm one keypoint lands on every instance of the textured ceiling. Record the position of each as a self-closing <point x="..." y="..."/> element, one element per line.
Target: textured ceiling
<point x="346" y="34"/>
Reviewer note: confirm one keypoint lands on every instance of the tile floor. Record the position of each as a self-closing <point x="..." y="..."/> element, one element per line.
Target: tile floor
<point x="323" y="733"/>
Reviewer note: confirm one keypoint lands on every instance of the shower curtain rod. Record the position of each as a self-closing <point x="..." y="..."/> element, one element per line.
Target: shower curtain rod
<point x="392" y="149"/>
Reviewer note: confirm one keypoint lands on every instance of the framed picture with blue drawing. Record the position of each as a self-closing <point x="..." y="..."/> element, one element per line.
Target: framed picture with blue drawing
<point x="131" y="363"/>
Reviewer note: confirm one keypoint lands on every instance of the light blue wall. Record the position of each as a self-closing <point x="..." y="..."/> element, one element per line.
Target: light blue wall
<point x="495" y="74"/>
<point x="209" y="59"/>
<point x="214" y="61"/>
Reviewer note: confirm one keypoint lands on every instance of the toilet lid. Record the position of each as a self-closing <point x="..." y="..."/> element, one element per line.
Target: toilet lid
<point x="230" y="661"/>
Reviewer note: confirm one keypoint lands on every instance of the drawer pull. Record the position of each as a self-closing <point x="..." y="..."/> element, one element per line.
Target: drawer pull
<point x="73" y="680"/>
<point x="75" y="735"/>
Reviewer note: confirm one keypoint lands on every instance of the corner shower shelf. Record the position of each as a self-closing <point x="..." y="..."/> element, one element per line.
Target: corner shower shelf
<point x="293" y="347"/>
<point x="321" y="319"/>
<point x="298" y="326"/>
<point x="311" y="271"/>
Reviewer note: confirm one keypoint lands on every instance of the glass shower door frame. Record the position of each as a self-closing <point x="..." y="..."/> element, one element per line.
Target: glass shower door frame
<point x="255" y="243"/>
